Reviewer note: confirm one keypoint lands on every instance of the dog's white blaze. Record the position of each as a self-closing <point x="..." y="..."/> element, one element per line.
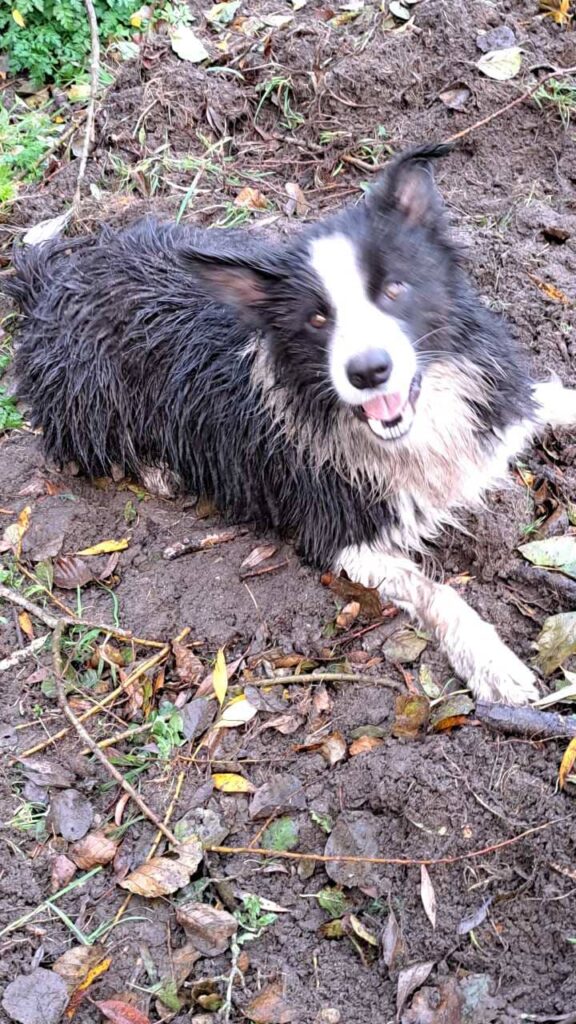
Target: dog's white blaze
<point x="475" y="650"/>
<point x="360" y="325"/>
<point x="557" y="404"/>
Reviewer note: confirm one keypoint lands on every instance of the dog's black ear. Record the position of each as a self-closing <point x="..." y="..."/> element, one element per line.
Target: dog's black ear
<point x="407" y="184"/>
<point x="245" y="283"/>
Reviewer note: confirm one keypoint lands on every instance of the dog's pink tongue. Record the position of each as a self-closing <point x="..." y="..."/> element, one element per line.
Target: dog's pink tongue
<point x="384" y="407"/>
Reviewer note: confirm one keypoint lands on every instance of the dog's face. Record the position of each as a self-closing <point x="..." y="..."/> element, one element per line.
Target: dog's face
<point x="355" y="308"/>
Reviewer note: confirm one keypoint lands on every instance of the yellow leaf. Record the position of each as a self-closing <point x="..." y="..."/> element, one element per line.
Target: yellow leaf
<point x="18" y="18"/>
<point x="105" y="547"/>
<point x="237" y="712"/>
<point x="136" y="21"/>
<point x="567" y="763"/>
<point x="23" y="524"/>
<point x="26" y="624"/>
<point x="229" y="783"/>
<point x="220" y="677"/>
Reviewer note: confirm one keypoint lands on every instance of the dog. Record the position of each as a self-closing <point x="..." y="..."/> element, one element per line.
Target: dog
<point x="345" y="388"/>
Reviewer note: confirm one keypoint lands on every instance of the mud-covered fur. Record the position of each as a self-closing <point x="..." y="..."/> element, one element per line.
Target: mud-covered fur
<point x="346" y="388"/>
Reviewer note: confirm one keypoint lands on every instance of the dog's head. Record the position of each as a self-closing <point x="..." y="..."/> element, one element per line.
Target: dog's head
<point x="354" y="308"/>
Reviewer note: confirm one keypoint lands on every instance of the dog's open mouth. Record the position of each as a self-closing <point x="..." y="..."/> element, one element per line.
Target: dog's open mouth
<point x="390" y="416"/>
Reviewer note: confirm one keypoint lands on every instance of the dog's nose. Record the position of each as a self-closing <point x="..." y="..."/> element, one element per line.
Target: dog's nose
<point x="370" y="369"/>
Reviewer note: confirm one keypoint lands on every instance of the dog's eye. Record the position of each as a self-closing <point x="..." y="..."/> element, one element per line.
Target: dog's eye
<point x="394" y="289"/>
<point x="318" y="321"/>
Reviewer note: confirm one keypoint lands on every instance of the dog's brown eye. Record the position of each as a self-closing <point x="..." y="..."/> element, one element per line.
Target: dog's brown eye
<point x="394" y="289"/>
<point x="317" y="320"/>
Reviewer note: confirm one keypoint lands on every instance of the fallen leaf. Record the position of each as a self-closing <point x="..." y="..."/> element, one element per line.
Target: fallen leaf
<point x="567" y="762"/>
<point x="558" y="10"/>
<point x="458" y="706"/>
<point x="45" y="773"/>
<point x="392" y="942"/>
<point x="251" y="199"/>
<point x="501" y="65"/>
<point x="347" y="616"/>
<point x="355" y="834"/>
<point x="77" y="962"/>
<point x="361" y="931"/>
<point x="187" y="45"/>
<point x="36" y="998"/>
<point x="79" y="92"/>
<point x="550" y="291"/>
<point x="426" y="680"/>
<point x="277" y="20"/>
<point x="563" y="693"/>
<point x="13" y="534"/>
<point x="364" y="744"/>
<point x="409" y="980"/>
<point x="95" y="848"/>
<point x="556" y="642"/>
<point x="71" y="814"/>
<point x="207" y="928"/>
<point x="80" y="992"/>
<point x="161" y="876"/>
<point x="18" y="18"/>
<point x="62" y="872"/>
<point x="284" y="724"/>
<point x="196" y="716"/>
<point x="333" y="901"/>
<point x="456" y="97"/>
<point x="367" y="597"/>
<point x="499" y="38"/>
<point x="553" y="553"/>
<point x="220" y="677"/>
<point x="258" y="555"/>
<point x="270" y="1006"/>
<point x="297" y="202"/>
<point x="229" y="783"/>
<point x="105" y="547"/>
<point x="26" y="624"/>
<point x="427" y="895"/>
<point x="399" y="10"/>
<point x="71" y="572"/>
<point x="189" y="668"/>
<point x="118" y="1012"/>
<point x="46" y="229"/>
<point x="281" y="794"/>
<point x="282" y="834"/>
<point x="404" y="646"/>
<point x="333" y="748"/>
<point x="237" y="712"/>
<point x="222" y="13"/>
<point x="411" y="714"/>
<point x="475" y="919"/>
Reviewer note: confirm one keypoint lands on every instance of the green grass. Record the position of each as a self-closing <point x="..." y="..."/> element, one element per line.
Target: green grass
<point x="25" y="136"/>
<point x="10" y="418"/>
<point x="278" y="90"/>
<point x="560" y="94"/>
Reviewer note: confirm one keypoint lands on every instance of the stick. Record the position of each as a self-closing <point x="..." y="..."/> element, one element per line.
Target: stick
<point x="25" y="652"/>
<point x="92" y="745"/>
<point x="325" y="677"/>
<point x="326" y="858"/>
<point x="513" y="103"/>
<point x="94" y="74"/>
<point x="526" y="721"/>
<point x="190" y="545"/>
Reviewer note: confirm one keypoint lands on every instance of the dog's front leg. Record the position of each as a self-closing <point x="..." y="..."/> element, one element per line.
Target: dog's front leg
<point x="474" y="649"/>
<point x="556" y="405"/>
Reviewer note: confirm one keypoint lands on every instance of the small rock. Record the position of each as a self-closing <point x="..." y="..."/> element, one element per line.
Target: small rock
<point x="197" y="715"/>
<point x="499" y="38"/>
<point x="71" y="814"/>
<point x="329" y="1015"/>
<point x="208" y="929"/>
<point x="355" y="834"/>
<point x="203" y="823"/>
<point x="281" y="794"/>
<point x="36" y="998"/>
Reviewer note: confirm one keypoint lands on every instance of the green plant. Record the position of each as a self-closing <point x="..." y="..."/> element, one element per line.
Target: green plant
<point x="251" y="919"/>
<point x="10" y="418"/>
<point x="561" y="94"/>
<point x="166" y="731"/>
<point x="50" y="39"/>
<point x="25" y="136"/>
<point x="280" y="92"/>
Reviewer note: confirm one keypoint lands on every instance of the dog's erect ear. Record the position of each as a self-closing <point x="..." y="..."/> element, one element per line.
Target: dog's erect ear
<point x="407" y="185"/>
<point x="244" y="283"/>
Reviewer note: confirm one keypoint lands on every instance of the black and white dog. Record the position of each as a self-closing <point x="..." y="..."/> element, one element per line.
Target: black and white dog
<point x="346" y="388"/>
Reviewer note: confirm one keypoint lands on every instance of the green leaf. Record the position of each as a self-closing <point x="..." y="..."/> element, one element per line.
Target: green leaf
<point x="553" y="553"/>
<point x="282" y="834"/>
<point x="323" y="820"/>
<point x="333" y="901"/>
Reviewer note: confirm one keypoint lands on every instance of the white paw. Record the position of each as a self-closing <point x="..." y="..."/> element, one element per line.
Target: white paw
<point x="499" y="676"/>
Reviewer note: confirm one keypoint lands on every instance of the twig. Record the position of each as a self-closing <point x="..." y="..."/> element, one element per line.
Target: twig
<point x="326" y="858"/>
<point x="325" y="677"/>
<point x="150" y="663"/>
<point x="25" y="652"/>
<point x="513" y="103"/>
<point x="155" y="843"/>
<point x="526" y="721"/>
<point x="362" y="165"/>
<point x="192" y="545"/>
<point x="126" y="734"/>
<point x="40" y="613"/>
<point x="93" y="746"/>
<point x="94" y="75"/>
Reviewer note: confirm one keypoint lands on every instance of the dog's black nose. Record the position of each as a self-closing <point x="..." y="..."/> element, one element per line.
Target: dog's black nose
<point x="369" y="369"/>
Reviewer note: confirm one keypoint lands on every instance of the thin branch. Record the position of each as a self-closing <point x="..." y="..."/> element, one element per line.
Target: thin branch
<point x="323" y="677"/>
<point x="17" y="657"/>
<point x="326" y="858"/>
<point x="92" y="745"/>
<point x="94" y="76"/>
<point x="558" y="73"/>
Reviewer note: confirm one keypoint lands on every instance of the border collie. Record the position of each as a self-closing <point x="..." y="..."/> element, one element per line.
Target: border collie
<point x="345" y="388"/>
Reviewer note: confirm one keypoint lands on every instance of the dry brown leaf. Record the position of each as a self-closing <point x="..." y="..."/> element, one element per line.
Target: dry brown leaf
<point x="284" y="724"/>
<point x="364" y="744"/>
<point x="270" y="1006"/>
<point x="392" y="942"/>
<point x="119" y="1012"/>
<point x="411" y="716"/>
<point x="76" y="963"/>
<point x="161" y="876"/>
<point x="409" y="980"/>
<point x="333" y="748"/>
<point x="95" y="848"/>
<point x="81" y="990"/>
<point x="26" y="624"/>
<point x="251" y="199"/>
<point x="62" y="872"/>
<point x="189" y="668"/>
<point x="361" y="931"/>
<point x="427" y="895"/>
<point x="207" y="928"/>
<point x="297" y="202"/>
<point x="558" y="10"/>
<point x="550" y="291"/>
<point x="349" y="613"/>
<point x="567" y="763"/>
<point x="258" y="555"/>
<point x="367" y="597"/>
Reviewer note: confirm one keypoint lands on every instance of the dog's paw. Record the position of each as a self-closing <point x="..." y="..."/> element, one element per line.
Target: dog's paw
<point x="500" y="677"/>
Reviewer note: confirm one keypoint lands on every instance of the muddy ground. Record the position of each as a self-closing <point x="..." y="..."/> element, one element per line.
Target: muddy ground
<point x="172" y="137"/>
